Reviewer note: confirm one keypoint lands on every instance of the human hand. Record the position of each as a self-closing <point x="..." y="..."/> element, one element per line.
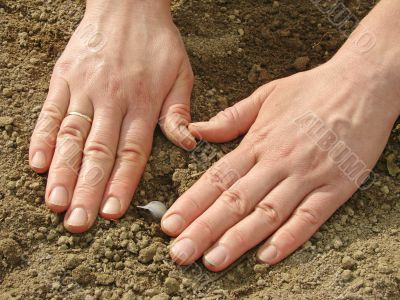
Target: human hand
<point x="311" y="140"/>
<point x="124" y="67"/>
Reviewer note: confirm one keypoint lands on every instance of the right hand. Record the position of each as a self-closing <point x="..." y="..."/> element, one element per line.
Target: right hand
<point x="125" y="67"/>
<point x="308" y="146"/>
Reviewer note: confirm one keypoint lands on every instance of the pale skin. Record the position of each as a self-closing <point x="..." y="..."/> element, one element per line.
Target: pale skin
<point x="278" y="186"/>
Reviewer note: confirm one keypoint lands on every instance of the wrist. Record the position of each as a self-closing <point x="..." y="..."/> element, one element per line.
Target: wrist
<point x="374" y="66"/>
<point x="368" y="77"/>
<point x="130" y="9"/>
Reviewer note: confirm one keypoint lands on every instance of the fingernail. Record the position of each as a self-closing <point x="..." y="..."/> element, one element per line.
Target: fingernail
<point x="78" y="217"/>
<point x="59" y="196"/>
<point x="268" y="254"/>
<point x="39" y="160"/>
<point x="188" y="140"/>
<point x="183" y="250"/>
<point x="112" y="206"/>
<point x="173" y="224"/>
<point x="189" y="143"/>
<point x="216" y="256"/>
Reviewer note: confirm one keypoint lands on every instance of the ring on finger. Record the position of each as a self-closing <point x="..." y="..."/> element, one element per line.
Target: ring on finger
<point x="75" y="113"/>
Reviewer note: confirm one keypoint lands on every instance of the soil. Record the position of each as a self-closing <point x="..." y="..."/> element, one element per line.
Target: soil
<point x="234" y="46"/>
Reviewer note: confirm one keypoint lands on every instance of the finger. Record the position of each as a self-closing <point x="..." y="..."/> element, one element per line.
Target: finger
<point x="303" y="223"/>
<point x="67" y="158"/>
<point x="233" y="121"/>
<point x="256" y="227"/>
<point x="206" y="190"/>
<point x="98" y="160"/>
<point x="234" y="205"/>
<point x="45" y="134"/>
<point x="175" y="113"/>
<point x="132" y="155"/>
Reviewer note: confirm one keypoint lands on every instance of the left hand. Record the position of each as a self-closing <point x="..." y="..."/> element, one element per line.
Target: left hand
<point x="125" y="67"/>
<point x="312" y="140"/>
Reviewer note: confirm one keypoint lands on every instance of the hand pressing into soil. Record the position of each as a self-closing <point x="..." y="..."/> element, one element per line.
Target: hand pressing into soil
<point x="123" y="69"/>
<point x="311" y="141"/>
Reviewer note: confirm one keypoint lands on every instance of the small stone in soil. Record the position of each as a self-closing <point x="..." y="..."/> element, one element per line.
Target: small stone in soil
<point x="347" y="275"/>
<point x="10" y="251"/>
<point x="337" y="243"/>
<point x="261" y="268"/>
<point x="146" y="255"/>
<point x="301" y="63"/>
<point x="7" y="92"/>
<point x="348" y="262"/>
<point x="171" y="285"/>
<point x="82" y="275"/>
<point x="5" y="120"/>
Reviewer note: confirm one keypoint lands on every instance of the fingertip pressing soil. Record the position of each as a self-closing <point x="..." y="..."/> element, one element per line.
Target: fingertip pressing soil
<point x="234" y="46"/>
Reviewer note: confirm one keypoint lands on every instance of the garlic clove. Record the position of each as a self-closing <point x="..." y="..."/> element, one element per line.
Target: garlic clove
<point x="156" y="208"/>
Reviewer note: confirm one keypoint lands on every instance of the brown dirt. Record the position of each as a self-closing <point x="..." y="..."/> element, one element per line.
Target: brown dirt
<point x="235" y="46"/>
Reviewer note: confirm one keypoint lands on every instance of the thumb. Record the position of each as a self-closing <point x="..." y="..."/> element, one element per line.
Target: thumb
<point x="233" y="121"/>
<point x="175" y="113"/>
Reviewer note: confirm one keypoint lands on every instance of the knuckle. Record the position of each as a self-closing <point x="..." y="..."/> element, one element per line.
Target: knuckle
<point x="66" y="169"/>
<point x="258" y="98"/>
<point x="239" y="238"/>
<point x="206" y="225"/>
<point x="260" y="94"/>
<point x="141" y="90"/>
<point x="119" y="181"/>
<point x="182" y="110"/>
<point x="51" y="110"/>
<point x="264" y="91"/>
<point x="288" y="236"/>
<point x="178" y="114"/>
<point x="287" y="150"/>
<point x="85" y="190"/>
<point x="120" y="87"/>
<point x="43" y="137"/>
<point x="71" y="130"/>
<point x="256" y="141"/>
<point x="91" y="175"/>
<point x="139" y="71"/>
<point x="214" y="179"/>
<point x="98" y="150"/>
<point x="115" y="87"/>
<point x="62" y="66"/>
<point x="236" y="202"/>
<point x="313" y="161"/>
<point x="259" y="135"/>
<point x="132" y="153"/>
<point x="230" y="114"/>
<point x="48" y="124"/>
<point x="270" y="214"/>
<point x="194" y="203"/>
<point x="307" y="215"/>
<point x="69" y="153"/>
<point x="221" y="176"/>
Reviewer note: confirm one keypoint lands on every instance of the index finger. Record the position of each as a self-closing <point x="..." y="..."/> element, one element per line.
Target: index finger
<point x="206" y="190"/>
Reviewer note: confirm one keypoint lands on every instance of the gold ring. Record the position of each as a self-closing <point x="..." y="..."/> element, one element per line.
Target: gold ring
<point x="74" y="113"/>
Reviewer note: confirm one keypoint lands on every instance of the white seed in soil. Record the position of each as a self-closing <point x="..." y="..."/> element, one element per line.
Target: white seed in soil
<point x="156" y="208"/>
